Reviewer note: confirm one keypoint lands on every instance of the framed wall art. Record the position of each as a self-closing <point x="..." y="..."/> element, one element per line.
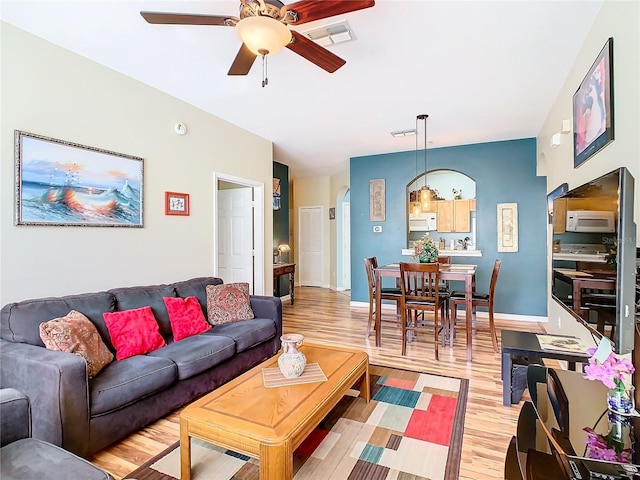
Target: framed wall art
<point x="593" y="108"/>
<point x="377" y="205"/>
<point x="276" y="194"/>
<point x="507" y="227"/>
<point x="67" y="184"/>
<point x="176" y="203"/>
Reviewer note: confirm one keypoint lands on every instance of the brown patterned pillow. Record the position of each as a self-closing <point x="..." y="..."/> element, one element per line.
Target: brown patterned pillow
<point x="228" y="303"/>
<point x="74" y="333"/>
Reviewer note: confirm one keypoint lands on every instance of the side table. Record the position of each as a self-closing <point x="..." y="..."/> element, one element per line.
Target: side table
<point x="526" y="344"/>
<point x="280" y="269"/>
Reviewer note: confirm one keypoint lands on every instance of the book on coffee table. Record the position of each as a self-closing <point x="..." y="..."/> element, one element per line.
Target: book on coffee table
<point x="561" y="343"/>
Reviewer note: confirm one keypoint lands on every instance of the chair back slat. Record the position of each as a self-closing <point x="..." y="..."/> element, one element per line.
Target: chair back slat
<point x="420" y="282"/>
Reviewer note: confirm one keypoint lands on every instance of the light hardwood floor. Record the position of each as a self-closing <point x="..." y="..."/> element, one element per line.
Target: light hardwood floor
<point x="324" y="316"/>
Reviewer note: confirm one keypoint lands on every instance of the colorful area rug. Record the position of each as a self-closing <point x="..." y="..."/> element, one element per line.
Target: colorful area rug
<point x="411" y="430"/>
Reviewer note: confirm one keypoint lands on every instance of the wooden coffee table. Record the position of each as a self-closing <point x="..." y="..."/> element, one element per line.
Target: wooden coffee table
<point x="270" y="423"/>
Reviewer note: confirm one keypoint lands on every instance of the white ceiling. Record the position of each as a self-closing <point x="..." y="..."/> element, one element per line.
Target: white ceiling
<point x="482" y="70"/>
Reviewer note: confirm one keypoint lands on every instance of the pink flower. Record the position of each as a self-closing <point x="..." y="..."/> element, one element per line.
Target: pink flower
<point x="611" y="372"/>
<point x="603" y="448"/>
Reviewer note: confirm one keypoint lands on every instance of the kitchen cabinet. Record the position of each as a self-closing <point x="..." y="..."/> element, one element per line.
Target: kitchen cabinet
<point x="454" y="215"/>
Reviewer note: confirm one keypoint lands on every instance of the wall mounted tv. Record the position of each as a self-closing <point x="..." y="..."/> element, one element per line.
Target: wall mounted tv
<point x="594" y="256"/>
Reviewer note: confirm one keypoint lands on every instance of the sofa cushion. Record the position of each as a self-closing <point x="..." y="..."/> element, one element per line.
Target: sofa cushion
<point x="196" y="354"/>
<point x="20" y="321"/>
<point x="186" y="317"/>
<point x="228" y="303"/>
<point x="129" y="298"/>
<point x="196" y="287"/>
<point x="247" y="333"/>
<point x="133" y="332"/>
<point x="74" y="333"/>
<point x="126" y="381"/>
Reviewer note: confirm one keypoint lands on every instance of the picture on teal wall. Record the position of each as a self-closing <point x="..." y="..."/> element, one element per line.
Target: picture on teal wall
<point x="276" y="194"/>
<point x="67" y="184"/>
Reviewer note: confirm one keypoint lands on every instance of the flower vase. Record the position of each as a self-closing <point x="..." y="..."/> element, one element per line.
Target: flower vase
<point x="292" y="361"/>
<point x="621" y="400"/>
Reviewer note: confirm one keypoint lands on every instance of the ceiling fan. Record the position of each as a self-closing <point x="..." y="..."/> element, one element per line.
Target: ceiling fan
<point x="264" y="29"/>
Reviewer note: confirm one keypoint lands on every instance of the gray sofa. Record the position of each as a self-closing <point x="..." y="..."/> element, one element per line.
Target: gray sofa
<point x="84" y="416"/>
<point x="26" y="458"/>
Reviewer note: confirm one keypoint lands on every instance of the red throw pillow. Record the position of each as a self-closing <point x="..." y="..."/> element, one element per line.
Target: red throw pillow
<point x="133" y="332"/>
<point x="186" y="317"/>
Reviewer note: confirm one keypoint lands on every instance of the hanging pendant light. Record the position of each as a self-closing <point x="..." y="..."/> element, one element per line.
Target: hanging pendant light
<point x="426" y="194"/>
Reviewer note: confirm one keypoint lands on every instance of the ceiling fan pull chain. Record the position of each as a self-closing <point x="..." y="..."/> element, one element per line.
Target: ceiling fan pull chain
<point x="265" y="80"/>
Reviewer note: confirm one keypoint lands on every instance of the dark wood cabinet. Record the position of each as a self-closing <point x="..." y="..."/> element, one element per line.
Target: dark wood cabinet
<point x="280" y="269"/>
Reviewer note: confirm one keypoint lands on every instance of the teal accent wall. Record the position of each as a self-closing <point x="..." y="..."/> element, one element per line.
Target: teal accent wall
<point x="505" y="172"/>
<point x="281" y="217"/>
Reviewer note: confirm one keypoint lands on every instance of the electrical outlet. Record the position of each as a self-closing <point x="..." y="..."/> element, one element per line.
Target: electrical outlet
<point x="377" y="229"/>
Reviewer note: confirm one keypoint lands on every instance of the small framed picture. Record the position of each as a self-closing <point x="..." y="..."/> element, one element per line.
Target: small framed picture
<point x="332" y="213"/>
<point x="176" y="203"/>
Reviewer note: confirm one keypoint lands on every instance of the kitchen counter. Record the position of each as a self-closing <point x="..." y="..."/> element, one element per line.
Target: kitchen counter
<point x="448" y="253"/>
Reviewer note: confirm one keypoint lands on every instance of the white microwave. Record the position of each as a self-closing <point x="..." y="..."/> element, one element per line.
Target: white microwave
<point x="594" y="221"/>
<point x="423" y="222"/>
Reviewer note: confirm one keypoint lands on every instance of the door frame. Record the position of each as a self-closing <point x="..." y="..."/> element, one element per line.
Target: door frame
<point x="258" y="226"/>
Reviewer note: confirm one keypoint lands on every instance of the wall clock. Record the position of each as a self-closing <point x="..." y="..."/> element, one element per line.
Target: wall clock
<point x="176" y="203"/>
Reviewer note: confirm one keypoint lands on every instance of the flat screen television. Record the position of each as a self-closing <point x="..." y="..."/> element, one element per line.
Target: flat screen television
<point x="594" y="257"/>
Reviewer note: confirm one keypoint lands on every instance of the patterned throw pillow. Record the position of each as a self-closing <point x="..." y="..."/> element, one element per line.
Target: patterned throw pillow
<point x="186" y="317"/>
<point x="228" y="303"/>
<point x="133" y="332"/>
<point x="74" y="333"/>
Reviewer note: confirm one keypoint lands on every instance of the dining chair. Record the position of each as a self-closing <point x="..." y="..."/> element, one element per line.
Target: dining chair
<point x="421" y="293"/>
<point x="391" y="293"/>
<point x="457" y="298"/>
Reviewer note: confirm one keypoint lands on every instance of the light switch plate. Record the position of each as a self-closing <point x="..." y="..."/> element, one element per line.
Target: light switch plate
<point x="377" y="229"/>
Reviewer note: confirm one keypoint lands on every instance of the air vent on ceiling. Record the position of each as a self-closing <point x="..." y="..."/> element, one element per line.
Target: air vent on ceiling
<point x="327" y="35"/>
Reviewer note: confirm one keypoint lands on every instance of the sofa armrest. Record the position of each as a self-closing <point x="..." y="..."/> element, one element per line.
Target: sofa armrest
<point x="268" y="307"/>
<point x="15" y="416"/>
<point x="58" y="390"/>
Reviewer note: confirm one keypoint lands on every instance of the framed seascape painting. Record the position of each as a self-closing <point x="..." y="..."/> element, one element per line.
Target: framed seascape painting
<point x="67" y="184"/>
<point x="593" y="108"/>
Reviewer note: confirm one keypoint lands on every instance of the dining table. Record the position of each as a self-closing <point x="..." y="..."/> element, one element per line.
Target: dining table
<point x="580" y="280"/>
<point x="448" y="271"/>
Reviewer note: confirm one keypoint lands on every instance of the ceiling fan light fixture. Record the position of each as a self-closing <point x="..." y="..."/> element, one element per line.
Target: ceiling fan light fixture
<point x="263" y="34"/>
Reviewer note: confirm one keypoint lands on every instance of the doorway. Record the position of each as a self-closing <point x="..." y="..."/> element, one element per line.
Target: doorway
<point x="238" y="240"/>
<point x="310" y="255"/>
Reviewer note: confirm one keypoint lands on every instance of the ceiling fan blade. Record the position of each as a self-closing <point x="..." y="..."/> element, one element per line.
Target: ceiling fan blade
<point x="315" y="53"/>
<point x="188" y="19"/>
<point x="310" y="10"/>
<point x="243" y="61"/>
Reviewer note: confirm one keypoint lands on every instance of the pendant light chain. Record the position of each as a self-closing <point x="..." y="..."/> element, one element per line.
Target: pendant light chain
<point x="265" y="80"/>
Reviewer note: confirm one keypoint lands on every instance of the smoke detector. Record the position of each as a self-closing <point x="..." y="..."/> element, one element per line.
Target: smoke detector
<point x="328" y="35"/>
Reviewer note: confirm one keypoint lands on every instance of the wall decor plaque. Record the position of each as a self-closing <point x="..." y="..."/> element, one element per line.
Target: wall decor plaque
<point x="376" y="200"/>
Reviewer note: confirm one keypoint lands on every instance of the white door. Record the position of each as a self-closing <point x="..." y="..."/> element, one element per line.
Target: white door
<point x="310" y="247"/>
<point x="235" y="235"/>
<point x="346" y="246"/>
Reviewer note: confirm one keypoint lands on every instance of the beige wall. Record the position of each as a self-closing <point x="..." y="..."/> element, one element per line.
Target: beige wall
<point x="50" y="91"/>
<point x="314" y="192"/>
<point x="619" y="20"/>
